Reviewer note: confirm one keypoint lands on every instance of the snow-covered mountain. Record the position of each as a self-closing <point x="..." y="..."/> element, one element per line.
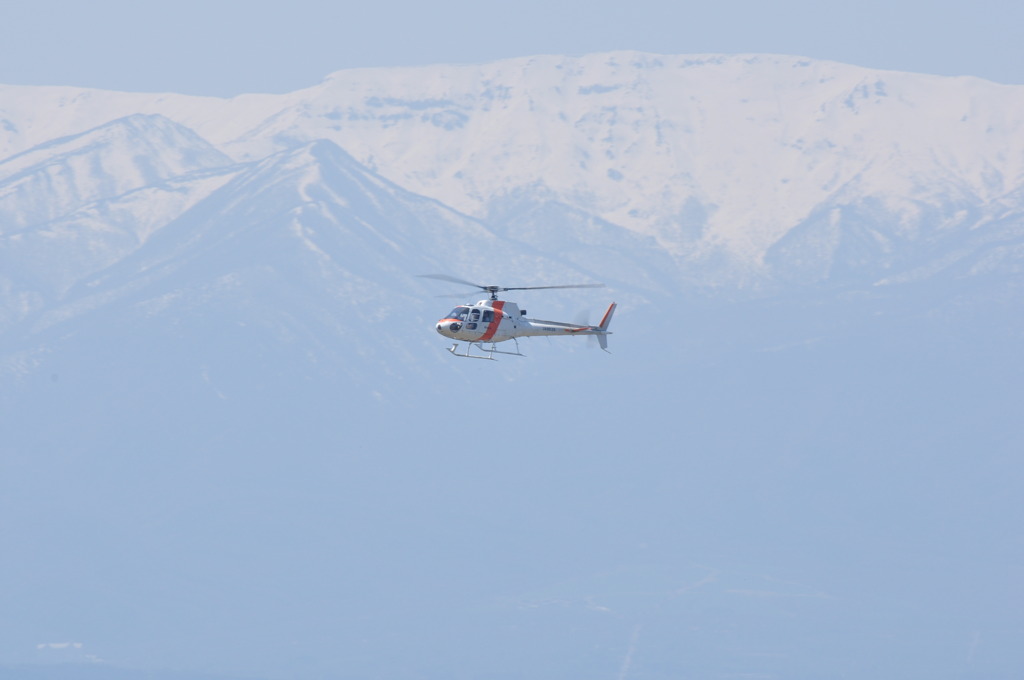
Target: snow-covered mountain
<point x="232" y="445"/>
<point x="746" y="169"/>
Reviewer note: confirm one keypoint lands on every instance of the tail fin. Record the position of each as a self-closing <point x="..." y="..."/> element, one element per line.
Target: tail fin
<point x="603" y="327"/>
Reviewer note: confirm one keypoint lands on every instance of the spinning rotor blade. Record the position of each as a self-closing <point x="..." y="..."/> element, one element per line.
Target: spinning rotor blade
<point x="571" y="285"/>
<point x="451" y="279"/>
<point x="461" y="296"/>
<point x="494" y="290"/>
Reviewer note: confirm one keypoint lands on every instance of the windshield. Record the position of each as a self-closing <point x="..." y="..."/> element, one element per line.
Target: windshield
<point x="459" y="313"/>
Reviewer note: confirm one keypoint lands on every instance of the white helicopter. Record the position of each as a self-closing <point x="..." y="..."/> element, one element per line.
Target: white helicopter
<point x="493" y="321"/>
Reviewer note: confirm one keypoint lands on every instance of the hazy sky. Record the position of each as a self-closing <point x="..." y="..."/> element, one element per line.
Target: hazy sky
<point x="225" y="48"/>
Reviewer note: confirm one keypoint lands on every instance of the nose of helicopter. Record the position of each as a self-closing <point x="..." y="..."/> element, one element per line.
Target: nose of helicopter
<point x="448" y="327"/>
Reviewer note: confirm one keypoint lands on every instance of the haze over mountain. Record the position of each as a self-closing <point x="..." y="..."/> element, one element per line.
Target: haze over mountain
<point x="233" y="444"/>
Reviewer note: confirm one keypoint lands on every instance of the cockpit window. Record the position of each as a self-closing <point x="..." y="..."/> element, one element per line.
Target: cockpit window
<point x="459" y="313"/>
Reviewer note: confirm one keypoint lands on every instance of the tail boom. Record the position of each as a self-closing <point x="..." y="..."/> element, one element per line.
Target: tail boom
<point x="533" y="327"/>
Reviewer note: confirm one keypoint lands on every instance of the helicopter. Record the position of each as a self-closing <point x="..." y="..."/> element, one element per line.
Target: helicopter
<point x="493" y="321"/>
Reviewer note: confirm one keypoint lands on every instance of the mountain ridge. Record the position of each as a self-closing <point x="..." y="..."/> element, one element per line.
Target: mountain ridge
<point x="655" y="144"/>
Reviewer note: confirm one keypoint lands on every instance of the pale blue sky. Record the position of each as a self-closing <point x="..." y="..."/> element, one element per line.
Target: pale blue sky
<point x="225" y="48"/>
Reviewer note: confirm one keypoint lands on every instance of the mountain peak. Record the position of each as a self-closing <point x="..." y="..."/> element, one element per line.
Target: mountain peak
<point x="58" y="177"/>
<point x="178" y="148"/>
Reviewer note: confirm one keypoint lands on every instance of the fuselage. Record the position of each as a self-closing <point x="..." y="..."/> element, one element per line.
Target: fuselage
<point x="499" y="320"/>
<point x="486" y="321"/>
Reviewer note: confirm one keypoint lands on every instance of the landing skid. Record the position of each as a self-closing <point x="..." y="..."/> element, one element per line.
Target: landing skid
<point x="492" y="350"/>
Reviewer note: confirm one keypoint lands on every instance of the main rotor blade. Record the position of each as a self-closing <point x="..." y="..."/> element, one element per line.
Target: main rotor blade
<point x="572" y="285"/>
<point x="452" y="279"/>
<point x="499" y="289"/>
<point x="458" y="295"/>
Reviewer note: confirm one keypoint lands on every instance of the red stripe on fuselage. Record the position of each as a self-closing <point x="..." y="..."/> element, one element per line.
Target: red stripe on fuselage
<point x="492" y="327"/>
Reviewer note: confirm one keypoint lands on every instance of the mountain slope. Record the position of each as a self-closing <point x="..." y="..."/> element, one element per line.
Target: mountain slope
<point x="71" y="207"/>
